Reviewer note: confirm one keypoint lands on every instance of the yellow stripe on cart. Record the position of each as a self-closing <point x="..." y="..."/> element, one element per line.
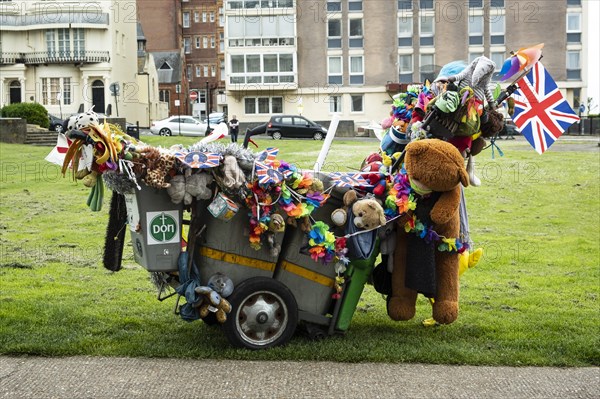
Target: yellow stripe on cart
<point x="236" y="259"/>
<point x="307" y="274"/>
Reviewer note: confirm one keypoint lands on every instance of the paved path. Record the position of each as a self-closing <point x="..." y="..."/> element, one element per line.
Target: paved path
<point x="131" y="378"/>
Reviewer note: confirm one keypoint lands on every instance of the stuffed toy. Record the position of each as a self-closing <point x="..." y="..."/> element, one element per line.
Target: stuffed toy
<point x="212" y="301"/>
<point x="186" y="187"/>
<point x="368" y="212"/>
<point x="477" y="76"/>
<point x="276" y="225"/>
<point x="234" y="176"/>
<point x="176" y="189"/>
<point x="196" y="186"/>
<point x="428" y="263"/>
<point x="79" y="121"/>
<point x="156" y="165"/>
<point x="221" y="284"/>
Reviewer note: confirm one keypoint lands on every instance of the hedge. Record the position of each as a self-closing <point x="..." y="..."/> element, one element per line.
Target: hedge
<point x="33" y="113"/>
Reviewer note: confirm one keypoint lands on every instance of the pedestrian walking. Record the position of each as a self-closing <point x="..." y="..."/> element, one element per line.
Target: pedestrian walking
<point x="234" y="127"/>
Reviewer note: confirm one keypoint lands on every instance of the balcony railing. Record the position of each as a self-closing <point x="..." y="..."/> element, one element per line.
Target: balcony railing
<point x="11" y="58"/>
<point x="55" y="57"/>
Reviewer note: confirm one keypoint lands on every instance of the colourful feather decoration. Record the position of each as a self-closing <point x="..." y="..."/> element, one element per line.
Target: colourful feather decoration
<point x="522" y="59"/>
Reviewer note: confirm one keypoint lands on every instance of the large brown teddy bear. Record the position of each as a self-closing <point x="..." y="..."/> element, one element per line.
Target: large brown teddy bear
<point x="436" y="169"/>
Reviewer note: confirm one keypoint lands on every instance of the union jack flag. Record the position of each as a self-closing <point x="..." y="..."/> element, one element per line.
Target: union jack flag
<point x="199" y="160"/>
<point x="541" y="114"/>
<point x="266" y="174"/>
<point x="348" y="180"/>
<point x="268" y="155"/>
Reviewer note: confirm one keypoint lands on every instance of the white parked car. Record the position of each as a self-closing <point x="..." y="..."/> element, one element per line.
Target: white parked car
<point x="171" y="126"/>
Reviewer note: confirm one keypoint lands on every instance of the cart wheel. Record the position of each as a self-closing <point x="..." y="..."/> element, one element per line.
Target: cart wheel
<point x="264" y="314"/>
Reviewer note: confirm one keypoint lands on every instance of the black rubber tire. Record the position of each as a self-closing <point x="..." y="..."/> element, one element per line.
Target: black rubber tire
<point x="58" y="128"/>
<point x="276" y="135"/>
<point x="164" y="132"/>
<point x="318" y="136"/>
<point x="263" y="314"/>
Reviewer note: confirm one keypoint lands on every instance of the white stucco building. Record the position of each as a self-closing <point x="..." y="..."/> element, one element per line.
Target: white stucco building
<point x="66" y="55"/>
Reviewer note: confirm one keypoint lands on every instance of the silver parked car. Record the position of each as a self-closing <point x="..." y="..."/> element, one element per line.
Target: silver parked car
<point x="171" y="126"/>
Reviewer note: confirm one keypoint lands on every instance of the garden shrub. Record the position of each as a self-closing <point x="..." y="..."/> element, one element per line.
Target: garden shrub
<point x="33" y="113"/>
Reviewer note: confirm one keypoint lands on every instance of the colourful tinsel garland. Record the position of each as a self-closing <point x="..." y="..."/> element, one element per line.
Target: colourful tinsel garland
<point x="401" y="200"/>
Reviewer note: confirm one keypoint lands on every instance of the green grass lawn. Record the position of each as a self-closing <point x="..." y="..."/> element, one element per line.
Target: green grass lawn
<point x="532" y="300"/>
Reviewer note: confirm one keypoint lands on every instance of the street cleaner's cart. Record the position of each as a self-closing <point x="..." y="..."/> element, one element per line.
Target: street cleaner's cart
<point x="261" y="258"/>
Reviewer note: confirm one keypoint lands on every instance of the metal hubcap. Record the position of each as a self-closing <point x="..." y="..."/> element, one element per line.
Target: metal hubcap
<point x="262" y="318"/>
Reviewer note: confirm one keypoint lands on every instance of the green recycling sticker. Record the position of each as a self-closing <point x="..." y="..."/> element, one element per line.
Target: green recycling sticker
<point x="163" y="227"/>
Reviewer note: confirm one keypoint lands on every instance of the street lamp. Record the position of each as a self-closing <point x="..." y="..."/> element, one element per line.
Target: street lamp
<point x="178" y="90"/>
<point x="207" y="109"/>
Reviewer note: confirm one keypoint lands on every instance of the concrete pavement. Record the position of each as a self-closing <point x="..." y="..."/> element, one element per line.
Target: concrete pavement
<point x="131" y="378"/>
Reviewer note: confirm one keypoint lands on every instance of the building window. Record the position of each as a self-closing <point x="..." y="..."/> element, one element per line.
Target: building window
<point x="334" y="5"/>
<point x="498" y="58"/>
<point x="263" y="105"/>
<point x="355" y="5"/>
<point x="405" y="5"/>
<point x="186" y="19"/>
<point x="497" y="3"/>
<point x="66" y="91"/>
<point x="405" y="68"/>
<point x="65" y="43"/>
<point x="573" y="27"/>
<point x="573" y="65"/>
<point x="261" y="31"/>
<point x="198" y="71"/>
<point x="164" y="96"/>
<point x="212" y="42"/>
<point x="474" y="54"/>
<point x="573" y="3"/>
<point x="426" y="30"/>
<point x="213" y="71"/>
<point x="188" y="73"/>
<point x="222" y="70"/>
<point x="475" y="3"/>
<point x="221" y="42"/>
<point x="356" y="33"/>
<point x="212" y="16"/>
<point x="197" y="41"/>
<point x="475" y="23"/>
<point x="52" y="86"/>
<point x="196" y="16"/>
<point x="426" y="4"/>
<point x="357" y="102"/>
<point x="334" y="70"/>
<point x="334" y="33"/>
<point x="204" y="16"/>
<point x="427" y="68"/>
<point x="205" y="68"/>
<point x="205" y="41"/>
<point x="262" y="68"/>
<point x="405" y="32"/>
<point x="357" y="70"/>
<point x="335" y="104"/>
<point x="497" y="29"/>
<point x="187" y="45"/>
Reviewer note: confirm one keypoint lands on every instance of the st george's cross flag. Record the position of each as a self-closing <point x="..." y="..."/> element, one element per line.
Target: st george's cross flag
<point x="541" y="114"/>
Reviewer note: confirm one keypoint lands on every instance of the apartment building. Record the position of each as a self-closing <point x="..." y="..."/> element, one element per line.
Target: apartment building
<point x="347" y="57"/>
<point x="161" y="22"/>
<point x="203" y="43"/>
<point x="71" y="55"/>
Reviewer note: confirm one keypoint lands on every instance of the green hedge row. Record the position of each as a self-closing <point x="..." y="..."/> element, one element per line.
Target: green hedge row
<point x="34" y="113"/>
